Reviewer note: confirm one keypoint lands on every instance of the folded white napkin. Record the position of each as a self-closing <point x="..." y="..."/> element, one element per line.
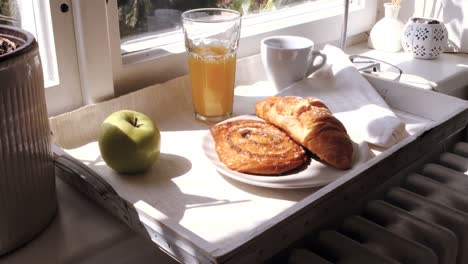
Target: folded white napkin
<point x="352" y="100"/>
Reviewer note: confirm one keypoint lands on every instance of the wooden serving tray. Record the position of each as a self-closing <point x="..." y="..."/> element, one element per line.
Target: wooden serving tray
<point x="199" y="216"/>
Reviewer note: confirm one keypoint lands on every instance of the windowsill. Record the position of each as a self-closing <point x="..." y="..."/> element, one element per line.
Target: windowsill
<point x="447" y="74"/>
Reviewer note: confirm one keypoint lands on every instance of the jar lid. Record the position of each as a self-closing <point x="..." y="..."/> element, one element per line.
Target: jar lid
<point x="422" y="20"/>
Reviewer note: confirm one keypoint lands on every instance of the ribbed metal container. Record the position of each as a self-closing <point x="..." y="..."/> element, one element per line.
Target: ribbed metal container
<point x="27" y="185"/>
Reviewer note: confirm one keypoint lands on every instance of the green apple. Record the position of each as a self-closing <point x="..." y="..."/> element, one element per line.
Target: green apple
<point x="129" y="142"/>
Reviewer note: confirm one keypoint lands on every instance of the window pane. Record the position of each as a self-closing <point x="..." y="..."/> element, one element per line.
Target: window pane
<point x="31" y="15"/>
<point x="9" y="12"/>
<point x="143" y="19"/>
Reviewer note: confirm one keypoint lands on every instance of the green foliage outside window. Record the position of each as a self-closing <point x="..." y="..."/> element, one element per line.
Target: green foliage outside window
<point x="9" y="12"/>
<point x="133" y="14"/>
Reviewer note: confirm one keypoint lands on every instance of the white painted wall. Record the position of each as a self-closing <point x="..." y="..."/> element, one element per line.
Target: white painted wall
<point x="454" y="14"/>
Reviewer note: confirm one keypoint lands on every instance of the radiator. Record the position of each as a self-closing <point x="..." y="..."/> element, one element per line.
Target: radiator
<point x="422" y="219"/>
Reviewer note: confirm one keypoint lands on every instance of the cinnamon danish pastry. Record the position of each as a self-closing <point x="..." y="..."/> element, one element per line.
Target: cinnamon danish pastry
<point x="256" y="147"/>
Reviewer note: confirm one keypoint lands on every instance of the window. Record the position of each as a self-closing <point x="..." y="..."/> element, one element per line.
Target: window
<point x="22" y="14"/>
<point x="144" y="24"/>
<point x="58" y="55"/>
<point x="146" y="53"/>
<point x="106" y="48"/>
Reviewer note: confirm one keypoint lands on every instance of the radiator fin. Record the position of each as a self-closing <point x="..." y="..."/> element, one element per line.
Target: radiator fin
<point x="439" y="239"/>
<point x="383" y="242"/>
<point x="344" y="250"/>
<point x="446" y="176"/>
<point x="299" y="256"/>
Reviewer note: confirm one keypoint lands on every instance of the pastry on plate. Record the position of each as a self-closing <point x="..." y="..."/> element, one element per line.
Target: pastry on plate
<point x="311" y="124"/>
<point x="256" y="147"/>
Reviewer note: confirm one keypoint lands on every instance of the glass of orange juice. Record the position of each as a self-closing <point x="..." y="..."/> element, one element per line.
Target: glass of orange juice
<point x="211" y="41"/>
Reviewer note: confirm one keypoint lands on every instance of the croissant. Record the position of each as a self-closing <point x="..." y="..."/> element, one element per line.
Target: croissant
<point x="256" y="147"/>
<point x="310" y="123"/>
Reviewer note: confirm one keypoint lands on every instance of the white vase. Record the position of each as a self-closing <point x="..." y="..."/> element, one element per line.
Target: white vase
<point x="425" y="38"/>
<point x="386" y="33"/>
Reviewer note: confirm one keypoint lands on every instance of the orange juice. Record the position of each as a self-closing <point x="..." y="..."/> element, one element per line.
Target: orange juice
<point x="212" y="73"/>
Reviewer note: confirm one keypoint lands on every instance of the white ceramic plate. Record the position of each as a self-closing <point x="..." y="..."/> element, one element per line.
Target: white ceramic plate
<point x="312" y="174"/>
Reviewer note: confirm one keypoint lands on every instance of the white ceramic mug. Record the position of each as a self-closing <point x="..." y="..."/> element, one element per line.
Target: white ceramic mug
<point x="287" y="59"/>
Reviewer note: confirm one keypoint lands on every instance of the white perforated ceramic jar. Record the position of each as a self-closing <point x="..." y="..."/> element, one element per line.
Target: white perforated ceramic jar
<point x="425" y="38"/>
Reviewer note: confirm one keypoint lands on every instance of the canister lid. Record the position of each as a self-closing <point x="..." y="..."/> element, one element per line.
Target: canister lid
<point x="422" y="20"/>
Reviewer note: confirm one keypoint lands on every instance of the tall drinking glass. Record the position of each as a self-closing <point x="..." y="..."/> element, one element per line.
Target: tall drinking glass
<point x="211" y="40"/>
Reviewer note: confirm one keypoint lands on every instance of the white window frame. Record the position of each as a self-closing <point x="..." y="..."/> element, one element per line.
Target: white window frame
<point x="56" y="30"/>
<point x="35" y="18"/>
<point x="106" y="73"/>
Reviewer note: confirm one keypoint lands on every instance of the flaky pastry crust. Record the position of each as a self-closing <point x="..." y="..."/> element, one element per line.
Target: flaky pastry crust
<point x="311" y="124"/>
